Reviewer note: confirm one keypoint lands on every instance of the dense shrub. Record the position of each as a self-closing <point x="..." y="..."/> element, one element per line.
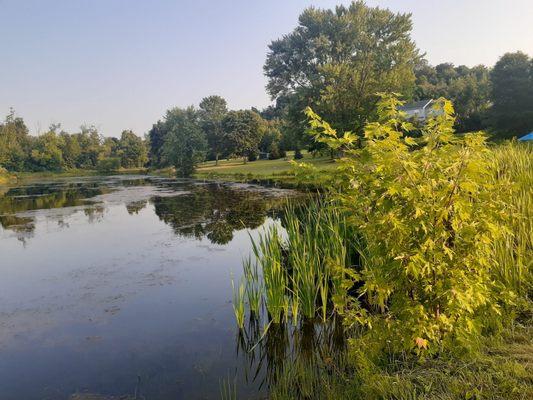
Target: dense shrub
<point x="108" y="165"/>
<point x="427" y="212"/>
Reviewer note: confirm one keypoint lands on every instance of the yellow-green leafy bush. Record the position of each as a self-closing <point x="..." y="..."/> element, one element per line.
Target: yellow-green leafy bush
<point x="427" y="211"/>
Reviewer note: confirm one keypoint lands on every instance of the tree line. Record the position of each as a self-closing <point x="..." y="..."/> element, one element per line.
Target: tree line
<point x="186" y="136"/>
<point x="57" y="150"/>
<point x="335" y="61"/>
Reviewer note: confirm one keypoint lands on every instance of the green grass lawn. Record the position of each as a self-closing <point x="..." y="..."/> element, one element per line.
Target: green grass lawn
<point x="261" y="169"/>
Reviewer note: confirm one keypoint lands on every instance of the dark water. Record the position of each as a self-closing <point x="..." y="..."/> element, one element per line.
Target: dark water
<point x="121" y="286"/>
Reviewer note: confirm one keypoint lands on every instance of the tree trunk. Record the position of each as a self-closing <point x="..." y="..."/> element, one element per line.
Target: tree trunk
<point x="216" y="159"/>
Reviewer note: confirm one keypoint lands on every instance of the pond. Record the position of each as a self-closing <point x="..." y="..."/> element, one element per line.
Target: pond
<point x="121" y="286"/>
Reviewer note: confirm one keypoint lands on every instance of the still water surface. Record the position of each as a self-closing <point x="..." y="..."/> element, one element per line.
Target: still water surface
<point x="121" y="286"/>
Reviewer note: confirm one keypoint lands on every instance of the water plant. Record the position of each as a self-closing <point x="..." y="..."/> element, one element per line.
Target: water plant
<point x="228" y="389"/>
<point x="253" y="285"/>
<point x="305" y="270"/>
<point x="239" y="303"/>
<point x="268" y="252"/>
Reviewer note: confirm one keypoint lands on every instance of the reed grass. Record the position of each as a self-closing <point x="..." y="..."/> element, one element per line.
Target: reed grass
<point x="253" y="285"/>
<point x="268" y="251"/>
<point x="306" y="275"/>
<point x="228" y="389"/>
<point x="513" y="250"/>
<point x="239" y="303"/>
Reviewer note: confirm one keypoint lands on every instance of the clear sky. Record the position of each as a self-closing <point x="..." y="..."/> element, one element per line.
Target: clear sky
<point x="119" y="64"/>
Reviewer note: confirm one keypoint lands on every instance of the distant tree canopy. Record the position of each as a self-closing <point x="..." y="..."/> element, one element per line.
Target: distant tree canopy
<point x="56" y="150"/>
<point x="512" y="95"/>
<point x="186" y="137"/>
<point x="131" y="150"/>
<point x="337" y="60"/>
<point x="14" y="143"/>
<point x="468" y="88"/>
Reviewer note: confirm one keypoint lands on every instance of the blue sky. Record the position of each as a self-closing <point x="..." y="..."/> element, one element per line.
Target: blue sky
<point x="119" y="64"/>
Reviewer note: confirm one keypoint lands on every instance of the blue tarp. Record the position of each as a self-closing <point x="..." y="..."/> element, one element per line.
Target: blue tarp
<point x="529" y="136"/>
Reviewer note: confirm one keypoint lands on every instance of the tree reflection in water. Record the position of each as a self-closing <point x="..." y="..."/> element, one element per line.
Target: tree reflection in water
<point x="216" y="211"/>
<point x="193" y="210"/>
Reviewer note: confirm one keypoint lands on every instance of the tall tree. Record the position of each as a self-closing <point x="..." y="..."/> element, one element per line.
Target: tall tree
<point x="243" y="131"/>
<point x="271" y="138"/>
<point x="156" y="138"/>
<point x="512" y="95"/>
<point x="70" y="148"/>
<point x="90" y="146"/>
<point x="46" y="154"/>
<point x="213" y="109"/>
<point x="337" y="60"/>
<point x="184" y="141"/>
<point x="132" y="150"/>
<point x="14" y="143"/>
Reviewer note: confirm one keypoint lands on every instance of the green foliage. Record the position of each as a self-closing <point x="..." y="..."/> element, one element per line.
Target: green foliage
<point x="184" y="143"/>
<point x="156" y="138"/>
<point x="501" y="371"/>
<point x="270" y="138"/>
<point x="132" y="150"/>
<point x="512" y="95"/>
<point x="254" y="285"/>
<point x="336" y="60"/>
<point x="57" y="150"/>
<point x="238" y="303"/>
<point x="46" y="153"/>
<point x="243" y="131"/>
<point x="468" y="89"/>
<point x="14" y="143"/>
<point x="213" y="109"/>
<point x="512" y="164"/>
<point x="426" y="213"/>
<point x="91" y="150"/>
<point x="5" y="177"/>
<point x="268" y="251"/>
<point x="107" y="165"/>
<point x="308" y="274"/>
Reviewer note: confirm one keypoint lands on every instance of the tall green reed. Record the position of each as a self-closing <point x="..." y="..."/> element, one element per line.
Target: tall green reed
<point x="307" y="274"/>
<point x="239" y="303"/>
<point x="513" y="249"/>
<point x="268" y="251"/>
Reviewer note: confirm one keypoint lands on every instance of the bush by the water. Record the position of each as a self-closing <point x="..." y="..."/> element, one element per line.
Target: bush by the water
<point x="4" y="176"/>
<point x="423" y="245"/>
<point x="107" y="165"/>
<point x="428" y="213"/>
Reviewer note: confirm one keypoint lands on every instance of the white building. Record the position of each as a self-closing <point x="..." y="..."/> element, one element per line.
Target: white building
<point x="419" y="110"/>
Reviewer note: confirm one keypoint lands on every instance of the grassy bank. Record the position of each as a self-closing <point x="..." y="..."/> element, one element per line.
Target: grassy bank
<point x="6" y="177"/>
<point x="31" y="176"/>
<point x="281" y="170"/>
<point x="503" y="369"/>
